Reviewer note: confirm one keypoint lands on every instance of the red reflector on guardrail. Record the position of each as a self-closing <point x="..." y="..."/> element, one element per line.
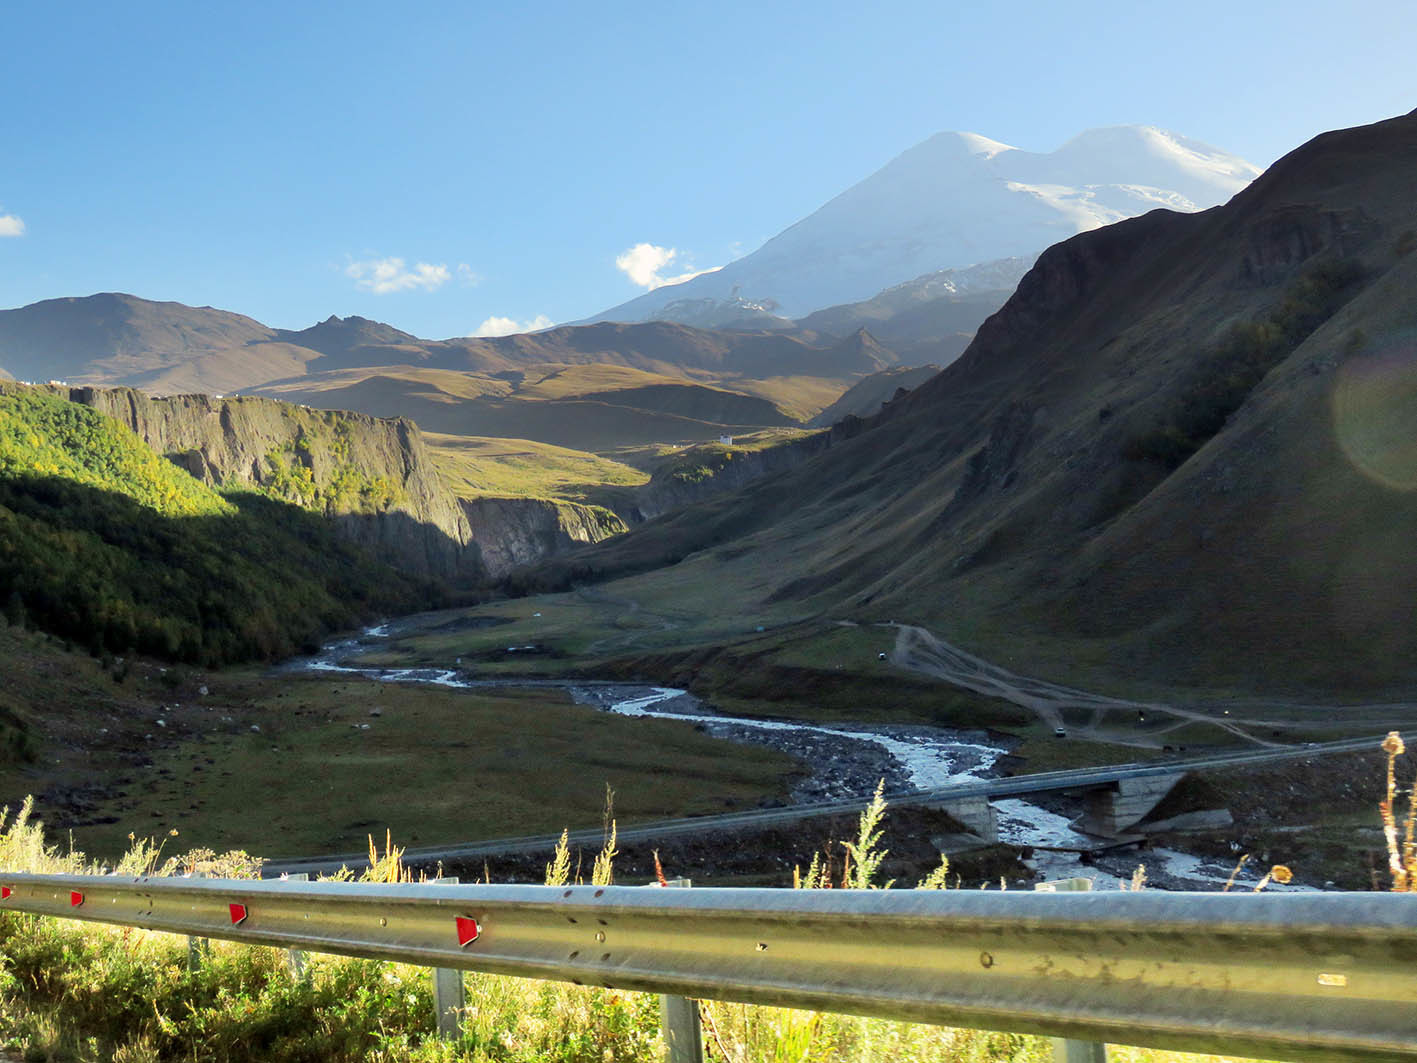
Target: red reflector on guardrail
<point x="467" y="930"/>
<point x="75" y="898"/>
<point x="4" y="893"/>
<point x="238" y="914"/>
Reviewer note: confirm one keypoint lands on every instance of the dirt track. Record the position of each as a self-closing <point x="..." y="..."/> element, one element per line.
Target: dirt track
<point x="917" y="650"/>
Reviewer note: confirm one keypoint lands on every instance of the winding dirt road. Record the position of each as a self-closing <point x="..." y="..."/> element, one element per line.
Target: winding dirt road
<point x="917" y="650"/>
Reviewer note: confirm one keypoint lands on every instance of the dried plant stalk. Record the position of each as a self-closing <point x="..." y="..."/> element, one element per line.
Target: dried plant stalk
<point x="1401" y="857"/>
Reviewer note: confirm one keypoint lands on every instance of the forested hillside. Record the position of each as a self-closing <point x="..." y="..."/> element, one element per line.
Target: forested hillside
<point x="104" y="543"/>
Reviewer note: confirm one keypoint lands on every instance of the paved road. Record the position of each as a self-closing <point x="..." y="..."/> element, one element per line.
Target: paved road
<point x="774" y="817"/>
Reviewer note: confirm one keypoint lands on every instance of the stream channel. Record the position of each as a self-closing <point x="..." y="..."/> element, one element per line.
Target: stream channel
<point x="846" y="760"/>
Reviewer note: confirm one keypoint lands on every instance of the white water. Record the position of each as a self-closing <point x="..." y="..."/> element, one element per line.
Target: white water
<point x="928" y="762"/>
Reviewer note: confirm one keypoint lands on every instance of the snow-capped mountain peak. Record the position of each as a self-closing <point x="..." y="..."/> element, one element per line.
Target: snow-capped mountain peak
<point x="956" y="199"/>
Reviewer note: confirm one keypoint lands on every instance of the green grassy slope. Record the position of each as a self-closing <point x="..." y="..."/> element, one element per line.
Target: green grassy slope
<point x="474" y="466"/>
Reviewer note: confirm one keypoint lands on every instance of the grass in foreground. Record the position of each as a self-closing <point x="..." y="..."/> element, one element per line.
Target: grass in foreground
<point x="80" y="992"/>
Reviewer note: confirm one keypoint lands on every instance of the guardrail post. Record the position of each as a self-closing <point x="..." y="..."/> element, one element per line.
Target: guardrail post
<point x="679" y="1019"/>
<point x="1078" y="1051"/>
<point x="197" y="948"/>
<point x="1064" y="1049"/>
<point x="449" y="994"/>
<point x="295" y="958"/>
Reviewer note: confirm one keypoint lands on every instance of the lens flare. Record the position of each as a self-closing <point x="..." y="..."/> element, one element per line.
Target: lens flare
<point x="1375" y="409"/>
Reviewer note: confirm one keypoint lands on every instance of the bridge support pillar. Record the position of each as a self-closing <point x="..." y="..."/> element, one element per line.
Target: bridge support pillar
<point x="976" y="813"/>
<point x="1122" y="804"/>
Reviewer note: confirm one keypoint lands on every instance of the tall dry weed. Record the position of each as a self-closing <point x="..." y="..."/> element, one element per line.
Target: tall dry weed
<point x="602" y="872"/>
<point x="387" y="866"/>
<point x="864" y="855"/>
<point x="558" y="872"/>
<point x="1401" y="850"/>
<point x="22" y="845"/>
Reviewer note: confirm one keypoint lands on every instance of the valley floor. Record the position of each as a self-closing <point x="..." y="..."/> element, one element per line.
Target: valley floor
<point x="301" y="762"/>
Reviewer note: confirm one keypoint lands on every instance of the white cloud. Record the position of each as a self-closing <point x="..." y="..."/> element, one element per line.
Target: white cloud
<point x="505" y="326"/>
<point x="467" y="276"/>
<point x="384" y="275"/>
<point x="643" y="263"/>
<point x="10" y="225"/>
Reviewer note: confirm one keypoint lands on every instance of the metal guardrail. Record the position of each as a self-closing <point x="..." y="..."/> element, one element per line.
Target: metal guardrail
<point x="760" y="818"/>
<point x="1288" y="976"/>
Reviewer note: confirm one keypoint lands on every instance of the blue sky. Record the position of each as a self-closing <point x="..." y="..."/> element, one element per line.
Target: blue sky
<point x="442" y="164"/>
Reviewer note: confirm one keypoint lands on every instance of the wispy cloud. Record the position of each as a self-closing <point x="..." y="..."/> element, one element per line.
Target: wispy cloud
<point x="384" y="275"/>
<point x="506" y="326"/>
<point x="11" y="225"/>
<point x="643" y="264"/>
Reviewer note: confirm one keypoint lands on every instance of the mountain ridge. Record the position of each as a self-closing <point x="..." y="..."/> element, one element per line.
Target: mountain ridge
<point x="115" y="339"/>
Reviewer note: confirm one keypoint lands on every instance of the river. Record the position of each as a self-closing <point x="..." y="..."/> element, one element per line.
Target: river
<point x="845" y="760"/>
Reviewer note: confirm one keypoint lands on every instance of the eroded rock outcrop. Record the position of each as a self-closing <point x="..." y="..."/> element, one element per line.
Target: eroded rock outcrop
<point x="372" y="476"/>
<point x="520" y="531"/>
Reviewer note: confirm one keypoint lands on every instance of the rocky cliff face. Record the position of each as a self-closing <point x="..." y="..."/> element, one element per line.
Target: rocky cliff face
<point x="372" y="476"/>
<point x="519" y="531"/>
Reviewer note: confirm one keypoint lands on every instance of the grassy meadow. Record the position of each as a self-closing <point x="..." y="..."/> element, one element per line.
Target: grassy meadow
<point x="291" y="765"/>
<point x="336" y="760"/>
<point x="473" y="466"/>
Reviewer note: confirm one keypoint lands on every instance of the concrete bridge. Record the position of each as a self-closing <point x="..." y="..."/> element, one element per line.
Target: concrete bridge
<point x="1112" y="806"/>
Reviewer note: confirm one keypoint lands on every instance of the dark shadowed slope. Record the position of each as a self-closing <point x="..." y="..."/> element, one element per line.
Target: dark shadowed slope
<point x="866" y="397"/>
